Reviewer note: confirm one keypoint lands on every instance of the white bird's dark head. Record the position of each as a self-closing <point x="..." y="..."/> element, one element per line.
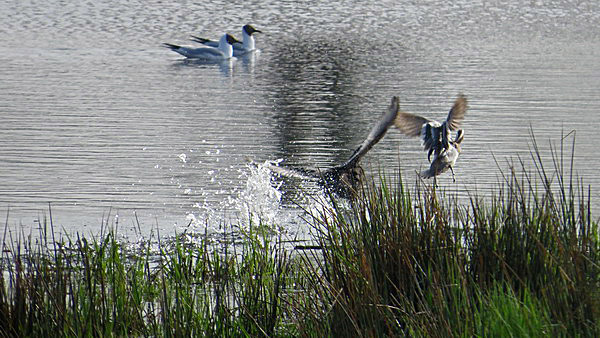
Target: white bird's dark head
<point x="249" y="29"/>
<point x="230" y="39"/>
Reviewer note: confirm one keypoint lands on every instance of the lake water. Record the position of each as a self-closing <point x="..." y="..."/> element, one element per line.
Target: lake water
<point x="103" y="124"/>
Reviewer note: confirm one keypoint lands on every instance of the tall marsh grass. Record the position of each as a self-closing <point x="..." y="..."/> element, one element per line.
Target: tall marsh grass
<point x="99" y="287"/>
<point x="428" y="265"/>
<point x="523" y="262"/>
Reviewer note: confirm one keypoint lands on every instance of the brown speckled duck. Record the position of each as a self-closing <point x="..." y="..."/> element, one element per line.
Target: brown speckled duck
<point x="435" y="137"/>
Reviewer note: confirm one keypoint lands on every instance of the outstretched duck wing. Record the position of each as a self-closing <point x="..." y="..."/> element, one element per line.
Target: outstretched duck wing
<point x="457" y="113"/>
<point x="376" y="133"/>
<point x="411" y="124"/>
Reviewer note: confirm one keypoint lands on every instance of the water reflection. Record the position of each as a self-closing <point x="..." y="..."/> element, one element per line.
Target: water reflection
<point x="245" y="63"/>
<point x="225" y="66"/>
<point x="249" y="61"/>
<point x="312" y="85"/>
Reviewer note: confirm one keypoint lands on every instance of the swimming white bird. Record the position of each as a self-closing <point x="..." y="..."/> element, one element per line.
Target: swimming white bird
<point x="240" y="48"/>
<point x="435" y="136"/>
<point x="223" y="51"/>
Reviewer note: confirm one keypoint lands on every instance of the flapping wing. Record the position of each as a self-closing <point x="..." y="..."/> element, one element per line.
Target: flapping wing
<point x="410" y="124"/>
<point x="457" y="113"/>
<point x="376" y="133"/>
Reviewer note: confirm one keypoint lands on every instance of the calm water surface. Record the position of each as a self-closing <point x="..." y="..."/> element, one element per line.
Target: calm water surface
<point x="103" y="124"/>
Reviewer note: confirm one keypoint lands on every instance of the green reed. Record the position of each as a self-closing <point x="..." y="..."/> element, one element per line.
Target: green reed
<point x="100" y="287"/>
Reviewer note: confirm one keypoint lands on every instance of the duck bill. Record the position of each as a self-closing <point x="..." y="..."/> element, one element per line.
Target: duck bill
<point x="459" y="136"/>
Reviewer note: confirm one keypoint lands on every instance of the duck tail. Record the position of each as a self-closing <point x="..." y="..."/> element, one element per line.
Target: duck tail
<point x="426" y="173"/>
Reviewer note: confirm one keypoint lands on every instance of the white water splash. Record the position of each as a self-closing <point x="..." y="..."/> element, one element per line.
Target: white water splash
<point x="257" y="202"/>
<point x="261" y="199"/>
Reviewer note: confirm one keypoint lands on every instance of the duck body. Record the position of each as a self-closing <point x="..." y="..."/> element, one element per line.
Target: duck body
<point x="445" y="159"/>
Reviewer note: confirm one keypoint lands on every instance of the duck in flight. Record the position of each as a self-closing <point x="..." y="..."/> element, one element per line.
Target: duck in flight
<point x="436" y="137"/>
<point x="239" y="48"/>
<point x="223" y="51"/>
<point x="344" y="179"/>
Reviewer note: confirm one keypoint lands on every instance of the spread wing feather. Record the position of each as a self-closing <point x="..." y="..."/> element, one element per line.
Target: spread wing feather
<point x="457" y="113"/>
<point x="410" y="124"/>
<point x="376" y="133"/>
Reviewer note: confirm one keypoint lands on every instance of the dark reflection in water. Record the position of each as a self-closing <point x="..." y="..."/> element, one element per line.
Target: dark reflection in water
<point x="313" y="84"/>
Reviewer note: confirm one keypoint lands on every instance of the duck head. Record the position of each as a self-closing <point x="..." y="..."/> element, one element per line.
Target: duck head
<point x="460" y="135"/>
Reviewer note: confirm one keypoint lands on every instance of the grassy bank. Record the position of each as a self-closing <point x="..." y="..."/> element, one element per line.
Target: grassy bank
<point x="524" y="262"/>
